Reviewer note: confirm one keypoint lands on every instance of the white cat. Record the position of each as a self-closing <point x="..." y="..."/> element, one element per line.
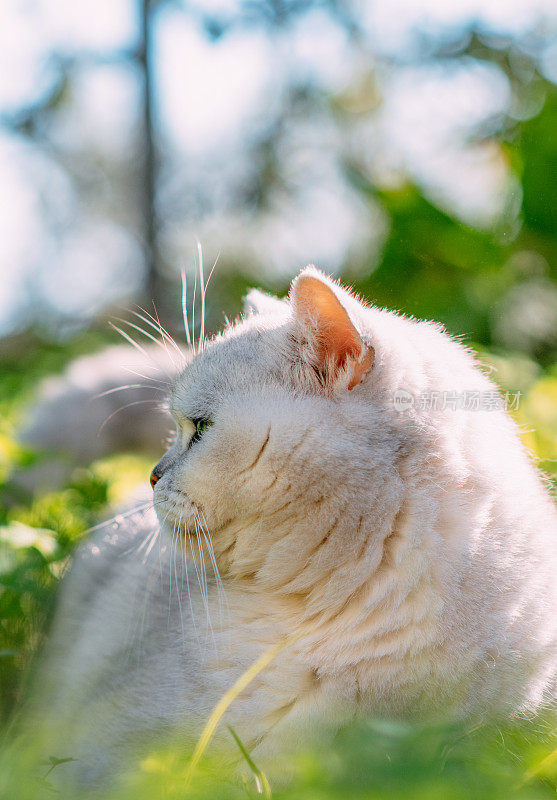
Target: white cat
<point x="408" y="545"/>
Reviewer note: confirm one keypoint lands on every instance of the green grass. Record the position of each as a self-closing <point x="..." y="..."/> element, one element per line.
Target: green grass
<point x="373" y="759"/>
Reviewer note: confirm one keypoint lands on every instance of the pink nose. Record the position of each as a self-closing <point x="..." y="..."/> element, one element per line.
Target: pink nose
<point x="154" y="478"/>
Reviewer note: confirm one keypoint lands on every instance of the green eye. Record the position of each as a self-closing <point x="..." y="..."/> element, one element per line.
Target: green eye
<point x="201" y="426"/>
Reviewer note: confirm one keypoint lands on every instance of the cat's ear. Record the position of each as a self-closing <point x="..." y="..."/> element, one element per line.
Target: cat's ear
<point x="257" y="302"/>
<point x="333" y="343"/>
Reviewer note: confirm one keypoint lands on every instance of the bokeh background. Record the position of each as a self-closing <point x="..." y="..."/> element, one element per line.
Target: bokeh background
<point x="408" y="147"/>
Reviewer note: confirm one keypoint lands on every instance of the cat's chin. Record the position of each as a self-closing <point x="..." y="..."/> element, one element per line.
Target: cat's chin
<point x="175" y="511"/>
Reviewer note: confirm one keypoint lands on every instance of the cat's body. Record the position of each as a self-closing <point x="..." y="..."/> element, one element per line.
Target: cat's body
<point x="408" y="556"/>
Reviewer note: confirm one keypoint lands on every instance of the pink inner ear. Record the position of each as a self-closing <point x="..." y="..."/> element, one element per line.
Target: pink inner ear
<point x="327" y="323"/>
<point x="362" y="367"/>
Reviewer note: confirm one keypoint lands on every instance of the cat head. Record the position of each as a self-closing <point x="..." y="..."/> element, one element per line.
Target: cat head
<point x="283" y="440"/>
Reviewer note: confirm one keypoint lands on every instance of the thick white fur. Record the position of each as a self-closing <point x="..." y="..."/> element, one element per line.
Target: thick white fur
<point x="413" y="553"/>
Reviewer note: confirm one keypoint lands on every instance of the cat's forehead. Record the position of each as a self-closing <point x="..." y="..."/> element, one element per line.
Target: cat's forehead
<point x="227" y="366"/>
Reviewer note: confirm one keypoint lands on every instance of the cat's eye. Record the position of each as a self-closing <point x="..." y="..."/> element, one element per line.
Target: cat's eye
<point x="201" y="426"/>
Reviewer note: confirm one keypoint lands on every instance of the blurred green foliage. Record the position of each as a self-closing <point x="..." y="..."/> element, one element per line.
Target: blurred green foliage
<point x="369" y="760"/>
<point x="36" y="541"/>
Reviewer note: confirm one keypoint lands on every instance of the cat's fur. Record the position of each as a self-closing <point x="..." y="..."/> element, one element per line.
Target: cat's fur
<point x="412" y="553"/>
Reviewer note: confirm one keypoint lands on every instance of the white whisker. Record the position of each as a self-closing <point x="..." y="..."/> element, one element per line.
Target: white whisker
<point x="173" y="553"/>
<point x="186" y="569"/>
<point x="165" y="336"/>
<point x="195" y="347"/>
<point x="194" y="559"/>
<point x="211" y="272"/>
<point x="164" y="333"/>
<point x="202" y="292"/>
<point x="166" y="383"/>
<point x="118" y="517"/>
<point x="205" y="588"/>
<point x="172" y="560"/>
<point x="206" y="535"/>
<point x="127" y="405"/>
<point x="127" y="386"/>
<point x="156" y="325"/>
<point x="185" y="307"/>
<point x="201" y="579"/>
<point x="179" y="590"/>
<point x="152" y="541"/>
<point x="129" y="339"/>
<point x="137" y="346"/>
<point x="150" y="336"/>
<point x="222" y="599"/>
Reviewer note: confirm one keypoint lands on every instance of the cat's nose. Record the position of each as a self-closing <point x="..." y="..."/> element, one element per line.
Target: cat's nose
<point x="154" y="478"/>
